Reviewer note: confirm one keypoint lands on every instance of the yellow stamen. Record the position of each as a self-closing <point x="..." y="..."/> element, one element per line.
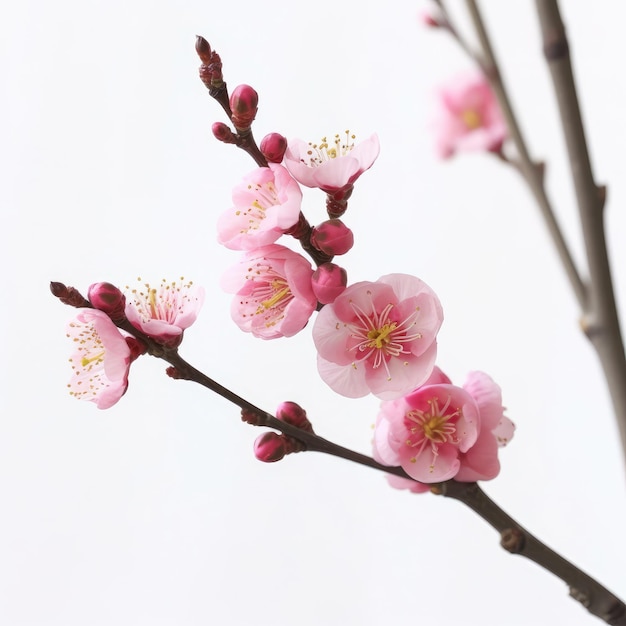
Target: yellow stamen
<point x="85" y="361"/>
<point x="471" y="119"/>
<point x="380" y="336"/>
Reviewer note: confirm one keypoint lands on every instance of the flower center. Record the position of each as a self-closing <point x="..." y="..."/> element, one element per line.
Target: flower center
<point x="378" y="338"/>
<point x="163" y="303"/>
<point x="324" y="152"/>
<point x="85" y="361"/>
<point x="281" y="291"/>
<point x="431" y="428"/>
<point x="266" y="196"/>
<point x="471" y="119"/>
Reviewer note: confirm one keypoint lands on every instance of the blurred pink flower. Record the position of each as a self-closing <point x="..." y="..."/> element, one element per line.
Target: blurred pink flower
<point x="378" y="337"/>
<point x="440" y="431"/>
<point x="273" y="291"/>
<point x="164" y="312"/>
<point x="101" y="359"/>
<point x="330" y="167"/>
<point x="468" y="116"/>
<point x="266" y="204"/>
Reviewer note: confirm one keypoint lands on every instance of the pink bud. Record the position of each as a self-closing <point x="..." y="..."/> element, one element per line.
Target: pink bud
<point x="328" y="281"/>
<point x="243" y="104"/>
<point x="223" y="133"/>
<point x="269" y="447"/>
<point x="293" y="414"/>
<point x="108" y="299"/>
<point x="332" y="237"/>
<point x="273" y="147"/>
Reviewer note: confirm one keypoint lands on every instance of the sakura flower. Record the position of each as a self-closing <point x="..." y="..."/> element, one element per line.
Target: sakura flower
<point x="331" y="166"/>
<point x="273" y="291"/>
<point x="266" y="204"/>
<point x="426" y="431"/>
<point x="468" y="117"/>
<point x="379" y="337"/>
<point x="440" y="431"/>
<point x="101" y="359"/>
<point x="164" y="312"/>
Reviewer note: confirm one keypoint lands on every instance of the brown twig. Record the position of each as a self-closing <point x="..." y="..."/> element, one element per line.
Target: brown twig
<point x="531" y="171"/>
<point x="600" y="321"/>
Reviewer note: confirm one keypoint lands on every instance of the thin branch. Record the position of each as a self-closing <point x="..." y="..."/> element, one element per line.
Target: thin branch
<point x="600" y="321"/>
<point x="514" y="538"/>
<point x="594" y="597"/>
<point x="530" y="170"/>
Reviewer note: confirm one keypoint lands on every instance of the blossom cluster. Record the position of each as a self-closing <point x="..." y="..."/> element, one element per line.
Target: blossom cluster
<point x="371" y="337"/>
<point x="376" y="337"/>
<point x="103" y="353"/>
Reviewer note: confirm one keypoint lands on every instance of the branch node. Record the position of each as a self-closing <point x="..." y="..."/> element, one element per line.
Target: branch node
<point x="512" y="540"/>
<point x="557" y="48"/>
<point x="601" y="192"/>
<point x="581" y="596"/>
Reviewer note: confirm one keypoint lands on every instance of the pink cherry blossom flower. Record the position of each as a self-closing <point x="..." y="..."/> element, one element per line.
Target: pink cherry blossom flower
<point x="266" y="204"/>
<point x="164" y="312"/>
<point x="101" y="359"/>
<point x="425" y="431"/>
<point x="440" y="431"/>
<point x="379" y="337"/>
<point x="468" y="117"/>
<point x="273" y="291"/>
<point x="330" y="166"/>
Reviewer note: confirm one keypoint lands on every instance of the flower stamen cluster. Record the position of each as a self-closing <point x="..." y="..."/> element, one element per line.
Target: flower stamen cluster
<point x="380" y="337"/>
<point x="323" y="152"/>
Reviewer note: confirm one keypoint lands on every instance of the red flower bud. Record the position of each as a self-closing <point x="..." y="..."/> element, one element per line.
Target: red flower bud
<point x="273" y="147"/>
<point x="107" y="298"/>
<point x="332" y="237"/>
<point x="293" y="414"/>
<point x="243" y="104"/>
<point x="269" y="447"/>
<point x="328" y="282"/>
<point x="223" y="133"/>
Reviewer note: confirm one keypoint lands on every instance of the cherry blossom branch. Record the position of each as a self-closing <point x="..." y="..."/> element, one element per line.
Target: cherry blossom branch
<point x="600" y="320"/>
<point x="531" y="171"/>
<point x="298" y="435"/>
<point x="514" y="538"/>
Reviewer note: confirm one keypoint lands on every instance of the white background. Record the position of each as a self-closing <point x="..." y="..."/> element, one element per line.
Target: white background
<point x="155" y="512"/>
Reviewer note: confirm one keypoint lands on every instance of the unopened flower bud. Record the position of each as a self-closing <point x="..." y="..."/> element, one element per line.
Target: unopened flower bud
<point x="332" y="237"/>
<point x="108" y="299"/>
<point x="328" y="281"/>
<point x="203" y="49"/>
<point x="269" y="447"/>
<point x="273" y="147"/>
<point x="223" y="133"/>
<point x="243" y="104"/>
<point x="293" y="414"/>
